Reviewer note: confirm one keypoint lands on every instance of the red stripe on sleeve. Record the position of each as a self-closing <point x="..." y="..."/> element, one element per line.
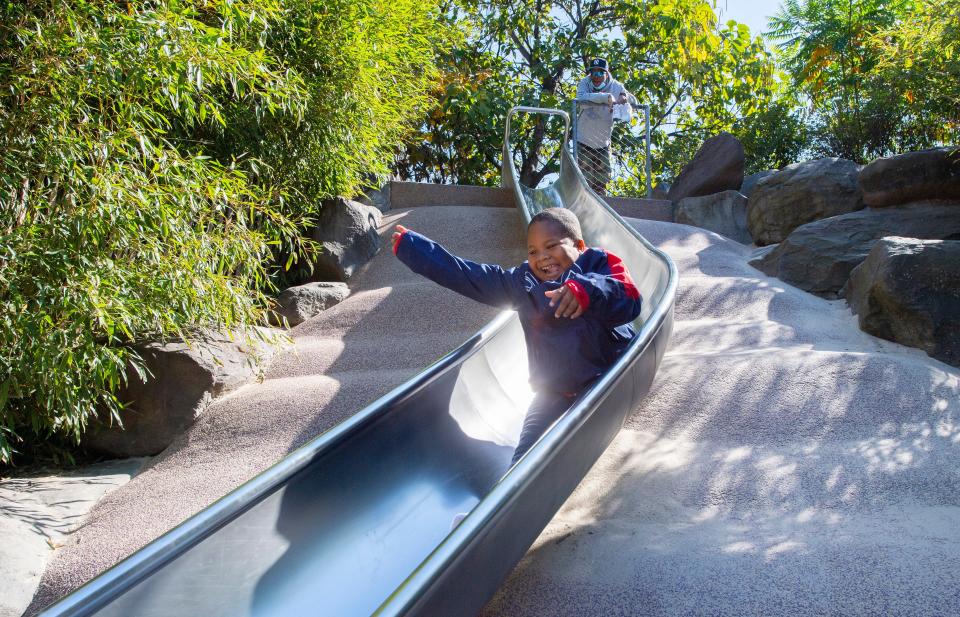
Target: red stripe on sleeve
<point x="396" y="243"/>
<point x="618" y="270"/>
<point x="579" y="293"/>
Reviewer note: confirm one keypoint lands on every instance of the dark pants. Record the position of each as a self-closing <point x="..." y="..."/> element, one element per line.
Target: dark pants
<point x="595" y="165"/>
<point x="545" y="409"/>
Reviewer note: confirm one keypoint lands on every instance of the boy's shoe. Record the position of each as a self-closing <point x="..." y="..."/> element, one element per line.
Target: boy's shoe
<point x="456" y="520"/>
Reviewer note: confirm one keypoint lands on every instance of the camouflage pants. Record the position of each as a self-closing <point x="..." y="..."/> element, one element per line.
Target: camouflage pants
<point x="595" y="165"/>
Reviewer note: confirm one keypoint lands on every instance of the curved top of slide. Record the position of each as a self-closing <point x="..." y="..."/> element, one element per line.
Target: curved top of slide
<point x="653" y="271"/>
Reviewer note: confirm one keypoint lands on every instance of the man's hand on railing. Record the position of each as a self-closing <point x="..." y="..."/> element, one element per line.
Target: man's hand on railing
<point x="611" y="102"/>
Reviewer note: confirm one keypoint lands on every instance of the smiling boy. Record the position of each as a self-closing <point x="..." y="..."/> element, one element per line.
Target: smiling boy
<point x="575" y="306"/>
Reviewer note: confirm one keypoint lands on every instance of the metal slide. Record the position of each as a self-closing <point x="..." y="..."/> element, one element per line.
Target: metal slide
<point x="357" y="522"/>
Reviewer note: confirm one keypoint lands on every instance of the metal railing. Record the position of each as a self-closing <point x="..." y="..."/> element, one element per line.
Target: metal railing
<point x="620" y="168"/>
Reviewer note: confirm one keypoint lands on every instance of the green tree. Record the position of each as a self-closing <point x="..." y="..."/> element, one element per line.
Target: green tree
<point x="830" y="49"/>
<point x="366" y="67"/>
<point x="920" y="55"/>
<point x="774" y="137"/>
<point x="699" y="77"/>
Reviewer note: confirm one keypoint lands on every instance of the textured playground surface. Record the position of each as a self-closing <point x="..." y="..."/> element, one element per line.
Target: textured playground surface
<point x="783" y="463"/>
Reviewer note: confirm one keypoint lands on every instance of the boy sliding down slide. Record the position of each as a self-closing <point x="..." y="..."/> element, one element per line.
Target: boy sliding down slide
<point x="575" y="306"/>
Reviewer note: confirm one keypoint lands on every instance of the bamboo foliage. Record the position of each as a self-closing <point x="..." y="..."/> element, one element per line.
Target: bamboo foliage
<point x="155" y="159"/>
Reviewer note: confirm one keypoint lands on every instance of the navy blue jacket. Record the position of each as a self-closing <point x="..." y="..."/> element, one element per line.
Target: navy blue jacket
<point x="564" y="354"/>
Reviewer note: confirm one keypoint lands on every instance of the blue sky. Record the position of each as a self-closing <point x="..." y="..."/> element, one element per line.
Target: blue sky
<point x="753" y="13"/>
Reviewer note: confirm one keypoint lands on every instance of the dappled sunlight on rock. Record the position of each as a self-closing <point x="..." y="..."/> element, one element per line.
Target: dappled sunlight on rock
<point x="782" y="547"/>
<point x="740" y="547"/>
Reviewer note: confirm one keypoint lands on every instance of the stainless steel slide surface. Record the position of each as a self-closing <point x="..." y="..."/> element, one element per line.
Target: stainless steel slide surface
<point x="358" y="521"/>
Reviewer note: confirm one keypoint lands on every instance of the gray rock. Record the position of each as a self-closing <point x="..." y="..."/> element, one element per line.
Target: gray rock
<point x="347" y="233"/>
<point x="181" y="382"/>
<point x="819" y="256"/>
<point x="801" y="193"/>
<point x="926" y="174"/>
<point x="300" y="303"/>
<point x="377" y="198"/>
<point x="908" y="291"/>
<point x="758" y="254"/>
<point x="750" y="182"/>
<point x="724" y="213"/>
<point x="717" y="166"/>
<point x="660" y="191"/>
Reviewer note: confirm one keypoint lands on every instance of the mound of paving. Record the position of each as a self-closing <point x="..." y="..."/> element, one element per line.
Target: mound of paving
<point x="785" y="463"/>
<point x="392" y="325"/>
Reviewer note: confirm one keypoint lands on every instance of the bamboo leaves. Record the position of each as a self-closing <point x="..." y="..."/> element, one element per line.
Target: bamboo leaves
<point x="159" y="163"/>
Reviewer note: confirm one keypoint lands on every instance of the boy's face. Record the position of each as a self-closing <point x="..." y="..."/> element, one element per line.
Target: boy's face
<point x="549" y="253"/>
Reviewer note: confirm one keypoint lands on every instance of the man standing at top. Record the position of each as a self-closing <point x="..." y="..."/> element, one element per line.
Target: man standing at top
<point x="597" y="93"/>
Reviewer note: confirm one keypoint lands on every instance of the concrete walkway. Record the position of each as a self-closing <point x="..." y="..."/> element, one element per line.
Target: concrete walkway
<point x="37" y="514"/>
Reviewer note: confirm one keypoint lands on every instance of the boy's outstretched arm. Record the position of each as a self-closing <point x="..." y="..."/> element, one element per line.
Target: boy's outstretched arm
<point x="486" y="283"/>
<point x="614" y="296"/>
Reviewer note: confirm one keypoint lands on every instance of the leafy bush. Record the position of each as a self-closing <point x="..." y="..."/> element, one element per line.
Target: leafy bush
<point x="880" y="75"/>
<point x="156" y="156"/>
<point x="774" y="137"/>
<point x="921" y="55"/>
<point x="366" y="68"/>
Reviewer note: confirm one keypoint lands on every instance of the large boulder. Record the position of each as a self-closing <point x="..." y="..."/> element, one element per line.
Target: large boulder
<point x="717" y="166"/>
<point x="908" y="291"/>
<point x="750" y="182"/>
<point x="801" y="193"/>
<point x="300" y="303"/>
<point x="377" y="198"/>
<point x="182" y="379"/>
<point x="819" y="256"/>
<point x="927" y="174"/>
<point x="347" y="233"/>
<point x="724" y="213"/>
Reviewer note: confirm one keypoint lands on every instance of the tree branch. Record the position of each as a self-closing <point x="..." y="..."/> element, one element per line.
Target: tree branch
<point x="522" y="48"/>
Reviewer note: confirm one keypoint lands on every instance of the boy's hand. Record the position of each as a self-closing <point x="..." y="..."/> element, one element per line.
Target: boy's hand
<point x="400" y="230"/>
<point x="566" y="303"/>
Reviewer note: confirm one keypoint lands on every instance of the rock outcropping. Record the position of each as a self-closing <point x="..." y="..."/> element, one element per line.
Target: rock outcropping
<point x="819" y="256"/>
<point x="182" y="379"/>
<point x="750" y="182"/>
<point x="724" y="213"/>
<point x="717" y="166"/>
<point x="908" y="291"/>
<point x="300" y="303"/>
<point x="347" y="233"/>
<point x="926" y="174"/>
<point x="799" y="194"/>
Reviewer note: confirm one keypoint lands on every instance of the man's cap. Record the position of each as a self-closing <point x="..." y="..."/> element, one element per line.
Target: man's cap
<point x="597" y="63"/>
